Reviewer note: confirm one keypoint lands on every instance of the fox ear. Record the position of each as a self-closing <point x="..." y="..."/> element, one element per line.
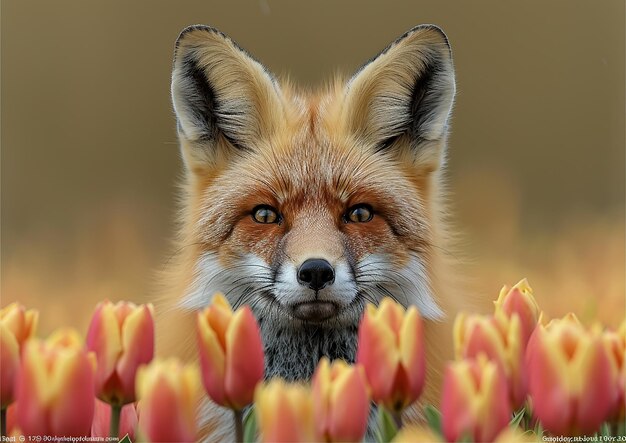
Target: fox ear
<point x="403" y="97"/>
<point x="223" y="98"/>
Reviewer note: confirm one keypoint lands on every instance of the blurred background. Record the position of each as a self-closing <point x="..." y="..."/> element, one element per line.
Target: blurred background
<point x="89" y="159"/>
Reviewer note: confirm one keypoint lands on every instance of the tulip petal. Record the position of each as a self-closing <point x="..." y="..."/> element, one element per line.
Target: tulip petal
<point x="10" y="357"/>
<point x="137" y="348"/>
<point x="547" y="372"/>
<point x="598" y="393"/>
<point x="212" y="359"/>
<point x="104" y="339"/>
<point x="284" y="412"/>
<point x="245" y="365"/>
<point x="350" y="405"/>
<point x="71" y="412"/>
<point x="412" y="352"/>
<point x="378" y="353"/>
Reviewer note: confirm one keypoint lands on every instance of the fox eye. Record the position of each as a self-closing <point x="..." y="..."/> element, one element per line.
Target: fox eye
<point x="360" y="213"/>
<point x="265" y="214"/>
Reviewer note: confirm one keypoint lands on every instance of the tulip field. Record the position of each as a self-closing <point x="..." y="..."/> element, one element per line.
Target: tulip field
<point x="517" y="376"/>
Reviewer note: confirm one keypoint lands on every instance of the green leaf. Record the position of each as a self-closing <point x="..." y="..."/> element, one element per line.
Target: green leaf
<point x="605" y="430"/>
<point x="433" y="418"/>
<point x="517" y="418"/>
<point x="249" y="426"/>
<point x="126" y="439"/>
<point x="386" y="425"/>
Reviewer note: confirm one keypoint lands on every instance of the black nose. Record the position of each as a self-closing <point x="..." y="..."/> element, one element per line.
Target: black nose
<point x="316" y="273"/>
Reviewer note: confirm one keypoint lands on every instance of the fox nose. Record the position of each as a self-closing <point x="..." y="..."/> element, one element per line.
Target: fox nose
<point x="316" y="273"/>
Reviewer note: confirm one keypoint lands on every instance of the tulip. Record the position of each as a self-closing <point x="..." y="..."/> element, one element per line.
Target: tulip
<point x="391" y="350"/>
<point x="499" y="338"/>
<point x="122" y="337"/>
<point x="474" y="400"/>
<point x="101" y="424"/>
<point x="55" y="387"/>
<point x="571" y="380"/>
<point x="519" y="301"/>
<point x="16" y="326"/>
<point x="284" y="412"/>
<point x="168" y="394"/>
<point x="340" y="401"/>
<point x="231" y="353"/>
<point x="19" y="321"/>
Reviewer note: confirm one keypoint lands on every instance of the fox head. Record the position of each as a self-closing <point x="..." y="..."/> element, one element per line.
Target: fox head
<point x="307" y="206"/>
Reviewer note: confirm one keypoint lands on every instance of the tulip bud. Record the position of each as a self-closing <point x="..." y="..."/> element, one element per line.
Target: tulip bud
<point x="16" y="326"/>
<point x="231" y="353"/>
<point x="19" y="321"/>
<point x="499" y="338"/>
<point x="519" y="301"/>
<point x="340" y="401"/>
<point x="168" y="398"/>
<point x="391" y="350"/>
<point x="475" y="400"/>
<point x="55" y="387"/>
<point x="122" y="337"/>
<point x="571" y="381"/>
<point x="284" y="412"/>
<point x="101" y="424"/>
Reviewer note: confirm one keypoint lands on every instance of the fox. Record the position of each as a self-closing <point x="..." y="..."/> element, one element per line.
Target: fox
<point x="308" y="205"/>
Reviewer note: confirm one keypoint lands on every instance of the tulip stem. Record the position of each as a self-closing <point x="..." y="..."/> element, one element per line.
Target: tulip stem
<point x="397" y="418"/>
<point x="238" y="415"/>
<point x="3" y="422"/>
<point x="116" y="412"/>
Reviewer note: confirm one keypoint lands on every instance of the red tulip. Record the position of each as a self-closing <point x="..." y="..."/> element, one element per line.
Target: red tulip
<point x="475" y="400"/>
<point x="122" y="337"/>
<point x="519" y="301"/>
<point x="284" y="412"/>
<point x="391" y="350"/>
<point x="499" y="338"/>
<point x="55" y="387"/>
<point x="101" y="424"/>
<point x="340" y="401"/>
<point x="168" y="398"/>
<point x="231" y="353"/>
<point x="16" y="326"/>
<point x="571" y="378"/>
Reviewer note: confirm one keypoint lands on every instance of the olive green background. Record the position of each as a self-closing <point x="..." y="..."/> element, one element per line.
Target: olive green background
<point x="88" y="133"/>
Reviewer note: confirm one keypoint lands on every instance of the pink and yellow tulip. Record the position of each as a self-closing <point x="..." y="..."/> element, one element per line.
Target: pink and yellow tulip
<point x="231" y="353"/>
<point x="284" y="412"/>
<point x="475" y="400"/>
<point x="16" y="326"/>
<point x="168" y="399"/>
<point x="499" y="338"/>
<point x="340" y="401"/>
<point x="391" y="350"/>
<point x="519" y="301"/>
<point x="122" y="337"/>
<point x="571" y="379"/>
<point x="55" y="387"/>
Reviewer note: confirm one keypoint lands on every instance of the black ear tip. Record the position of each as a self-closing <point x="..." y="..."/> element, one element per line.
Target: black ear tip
<point x="196" y="28"/>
